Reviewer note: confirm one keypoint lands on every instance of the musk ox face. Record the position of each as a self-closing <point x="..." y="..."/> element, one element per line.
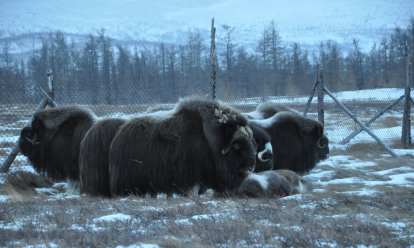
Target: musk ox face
<point x="240" y="154"/>
<point x="52" y="141"/>
<point x="29" y="143"/>
<point x="322" y="152"/>
<point x="298" y="142"/>
<point x="264" y="158"/>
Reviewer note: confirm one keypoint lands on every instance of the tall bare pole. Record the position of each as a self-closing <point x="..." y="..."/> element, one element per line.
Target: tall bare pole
<point x="406" y="125"/>
<point x="213" y="60"/>
<point x="320" y="91"/>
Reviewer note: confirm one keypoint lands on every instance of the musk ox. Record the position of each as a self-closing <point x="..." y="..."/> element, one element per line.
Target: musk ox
<point x="262" y="184"/>
<point x="275" y="183"/>
<point x="94" y="157"/>
<point x="298" y="142"/>
<point x="299" y="184"/>
<point x="200" y="142"/>
<point x="264" y="159"/>
<point x="52" y="141"/>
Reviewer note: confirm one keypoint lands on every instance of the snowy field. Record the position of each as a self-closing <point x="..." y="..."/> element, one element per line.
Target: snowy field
<point x="362" y="197"/>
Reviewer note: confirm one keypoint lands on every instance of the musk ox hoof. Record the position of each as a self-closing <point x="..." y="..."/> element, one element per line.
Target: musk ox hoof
<point x="300" y="185"/>
<point x="73" y="188"/>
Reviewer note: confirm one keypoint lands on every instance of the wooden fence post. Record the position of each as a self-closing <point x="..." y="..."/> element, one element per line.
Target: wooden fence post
<point x="406" y="125"/>
<point x="213" y="61"/>
<point x="320" y="90"/>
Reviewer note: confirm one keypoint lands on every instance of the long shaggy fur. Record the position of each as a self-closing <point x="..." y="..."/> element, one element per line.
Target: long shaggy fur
<point x="266" y="110"/>
<point x="298" y="142"/>
<point x="52" y="142"/>
<point x="94" y="157"/>
<point x="196" y="143"/>
<point x="299" y="184"/>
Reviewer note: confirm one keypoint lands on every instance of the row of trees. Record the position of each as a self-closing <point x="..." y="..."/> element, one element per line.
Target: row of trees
<point x="100" y="71"/>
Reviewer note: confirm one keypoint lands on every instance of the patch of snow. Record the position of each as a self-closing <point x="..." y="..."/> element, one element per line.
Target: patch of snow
<point x="113" y="218"/>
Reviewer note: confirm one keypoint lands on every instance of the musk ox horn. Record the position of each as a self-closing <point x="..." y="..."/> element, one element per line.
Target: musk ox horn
<point x="242" y="132"/>
<point x="261" y="154"/>
<point x="31" y="140"/>
<point x="319" y="143"/>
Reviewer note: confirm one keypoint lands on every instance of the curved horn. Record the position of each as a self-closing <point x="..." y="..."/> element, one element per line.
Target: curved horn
<point x="319" y="145"/>
<point x="259" y="156"/>
<point x="31" y="140"/>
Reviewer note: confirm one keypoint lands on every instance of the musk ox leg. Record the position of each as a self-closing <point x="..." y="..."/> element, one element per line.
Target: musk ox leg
<point x="193" y="192"/>
<point x="73" y="188"/>
<point x="299" y="184"/>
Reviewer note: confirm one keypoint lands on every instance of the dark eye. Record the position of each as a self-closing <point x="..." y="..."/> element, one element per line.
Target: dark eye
<point x="29" y="135"/>
<point x="266" y="156"/>
<point x="322" y="143"/>
<point x="237" y="146"/>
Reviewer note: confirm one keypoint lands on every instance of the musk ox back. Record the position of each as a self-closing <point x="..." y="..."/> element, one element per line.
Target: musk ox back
<point x="52" y="141"/>
<point x="94" y="157"/>
<point x="266" y="110"/>
<point x="298" y="142"/>
<point x="199" y="142"/>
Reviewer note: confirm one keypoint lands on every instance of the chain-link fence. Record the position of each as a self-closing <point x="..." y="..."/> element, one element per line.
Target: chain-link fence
<point x="120" y="98"/>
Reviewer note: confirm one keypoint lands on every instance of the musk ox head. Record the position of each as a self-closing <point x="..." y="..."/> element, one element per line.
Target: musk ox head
<point x="52" y="140"/>
<point x="264" y="157"/>
<point x="298" y="142"/>
<point x="241" y="151"/>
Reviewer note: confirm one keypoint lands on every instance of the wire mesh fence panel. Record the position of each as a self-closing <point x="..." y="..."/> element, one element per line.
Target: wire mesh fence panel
<point x="243" y="90"/>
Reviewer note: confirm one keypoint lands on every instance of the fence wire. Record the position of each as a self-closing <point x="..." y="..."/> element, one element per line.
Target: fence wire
<point x="126" y="98"/>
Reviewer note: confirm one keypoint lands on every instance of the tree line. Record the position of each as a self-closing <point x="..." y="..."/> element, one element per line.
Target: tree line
<point x="99" y="71"/>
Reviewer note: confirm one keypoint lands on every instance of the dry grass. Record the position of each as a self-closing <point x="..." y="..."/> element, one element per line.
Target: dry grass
<point x="331" y="216"/>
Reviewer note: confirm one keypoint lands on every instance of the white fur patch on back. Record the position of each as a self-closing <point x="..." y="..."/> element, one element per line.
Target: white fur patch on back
<point x="161" y="115"/>
<point x="260" y="179"/>
<point x="254" y="115"/>
<point x="266" y="122"/>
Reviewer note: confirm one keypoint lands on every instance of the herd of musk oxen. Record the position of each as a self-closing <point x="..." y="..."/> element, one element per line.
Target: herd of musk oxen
<point x="195" y="145"/>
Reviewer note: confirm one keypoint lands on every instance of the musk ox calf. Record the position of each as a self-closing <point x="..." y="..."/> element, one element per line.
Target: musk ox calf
<point x="276" y="183"/>
<point x="52" y="142"/>
<point x="198" y="143"/>
<point x="94" y="157"/>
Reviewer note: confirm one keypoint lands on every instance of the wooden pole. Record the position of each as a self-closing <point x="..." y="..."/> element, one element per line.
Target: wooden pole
<point x="305" y="112"/>
<point x="360" y="123"/>
<point x="320" y="87"/>
<point x="406" y="125"/>
<point x="213" y="61"/>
